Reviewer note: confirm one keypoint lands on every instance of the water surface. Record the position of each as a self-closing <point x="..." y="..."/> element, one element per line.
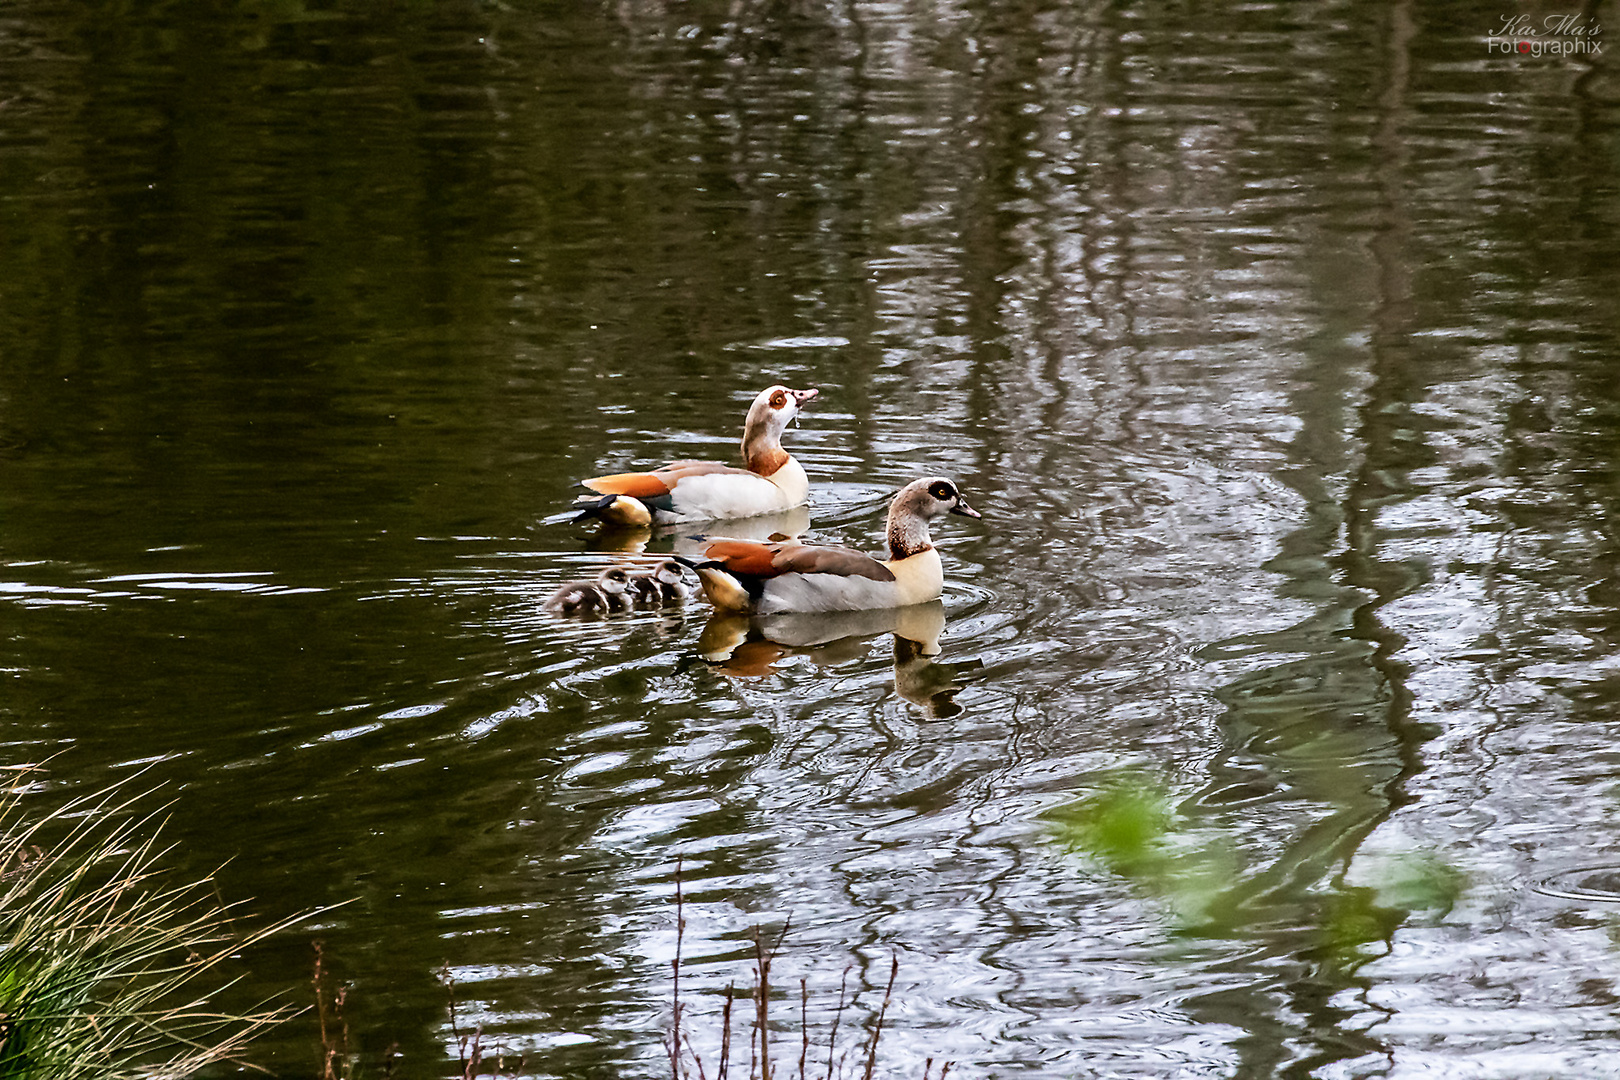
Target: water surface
<point x="1274" y="733"/>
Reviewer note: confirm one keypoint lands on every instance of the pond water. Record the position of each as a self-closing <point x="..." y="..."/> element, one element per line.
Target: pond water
<point x="1273" y="730"/>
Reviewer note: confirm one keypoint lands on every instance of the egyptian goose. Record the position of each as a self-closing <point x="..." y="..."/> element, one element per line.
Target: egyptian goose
<point x="739" y="575"/>
<point x="659" y="586"/>
<point x="707" y="490"/>
<point x="603" y="596"/>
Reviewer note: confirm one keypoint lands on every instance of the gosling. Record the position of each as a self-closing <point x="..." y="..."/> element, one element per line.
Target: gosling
<point x="659" y="586"/>
<point x="604" y="596"/>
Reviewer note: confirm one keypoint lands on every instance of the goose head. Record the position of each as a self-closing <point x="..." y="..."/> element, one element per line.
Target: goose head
<point x="918" y="503"/>
<point x="933" y="496"/>
<point x="773" y="409"/>
<point x="613" y="581"/>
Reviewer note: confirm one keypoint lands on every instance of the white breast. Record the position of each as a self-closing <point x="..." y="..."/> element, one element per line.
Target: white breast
<point x="919" y="578"/>
<point x="791" y="481"/>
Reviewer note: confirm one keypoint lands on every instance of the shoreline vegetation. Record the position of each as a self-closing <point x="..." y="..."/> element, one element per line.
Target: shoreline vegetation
<point x="108" y="969"/>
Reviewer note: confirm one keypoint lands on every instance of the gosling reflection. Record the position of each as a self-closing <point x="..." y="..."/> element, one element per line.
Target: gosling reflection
<point x="751" y="646"/>
<point x="689" y="539"/>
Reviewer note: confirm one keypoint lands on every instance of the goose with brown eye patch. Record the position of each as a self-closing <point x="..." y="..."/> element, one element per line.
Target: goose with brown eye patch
<point x="744" y="576"/>
<point x="603" y="596"/>
<point x="769" y="481"/>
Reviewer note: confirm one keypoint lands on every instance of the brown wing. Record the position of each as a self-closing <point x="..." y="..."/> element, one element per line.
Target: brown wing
<point x="770" y="560"/>
<point x="842" y="561"/>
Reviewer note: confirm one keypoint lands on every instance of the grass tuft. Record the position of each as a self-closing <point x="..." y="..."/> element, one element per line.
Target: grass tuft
<point x="102" y="970"/>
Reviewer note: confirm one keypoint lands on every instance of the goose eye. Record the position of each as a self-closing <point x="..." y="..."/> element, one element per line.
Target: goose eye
<point x="778" y="399"/>
<point x="942" y="491"/>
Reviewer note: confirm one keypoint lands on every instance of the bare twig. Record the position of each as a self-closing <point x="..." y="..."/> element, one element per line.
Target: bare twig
<point x="832" y="1040"/>
<point x="683" y="1055"/>
<point x="449" y="983"/>
<point x="334" y="1043"/>
<point x="804" y="1024"/>
<point x="765" y="958"/>
<point x="338" y="1002"/>
<point x="877" y="1029"/>
<point x="680" y="935"/>
<point x="469" y="1070"/>
<point x="725" y="1033"/>
<point x="758" y="1033"/>
<point x="320" y="1013"/>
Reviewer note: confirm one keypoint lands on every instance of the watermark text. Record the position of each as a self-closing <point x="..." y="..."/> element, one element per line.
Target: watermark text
<point x="1554" y="35"/>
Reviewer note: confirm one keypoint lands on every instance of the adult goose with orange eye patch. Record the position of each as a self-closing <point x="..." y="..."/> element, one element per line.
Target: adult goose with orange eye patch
<point x="739" y="575"/>
<point x="770" y="480"/>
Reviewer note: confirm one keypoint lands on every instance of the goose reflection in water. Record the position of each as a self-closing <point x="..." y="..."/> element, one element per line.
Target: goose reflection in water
<point x="750" y="647"/>
<point x="689" y="540"/>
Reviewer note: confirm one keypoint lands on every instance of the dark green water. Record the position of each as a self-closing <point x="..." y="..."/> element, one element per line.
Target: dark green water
<point x="1277" y="343"/>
